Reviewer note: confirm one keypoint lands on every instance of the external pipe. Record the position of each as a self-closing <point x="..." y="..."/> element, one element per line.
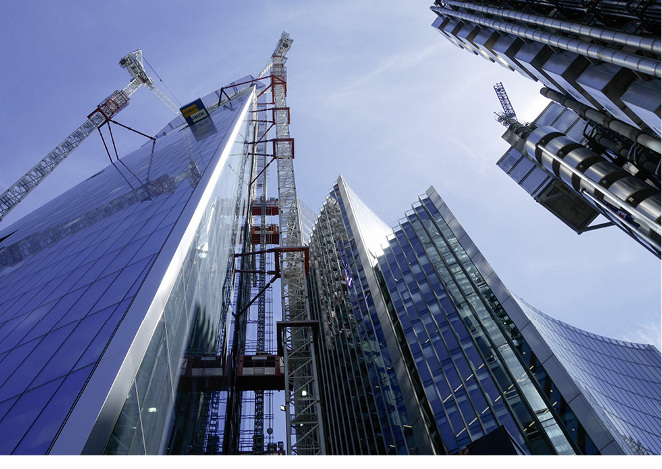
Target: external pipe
<point x="601" y="118"/>
<point x="647" y="44"/>
<point x="605" y="54"/>
<point x="544" y="144"/>
<point x="652" y="245"/>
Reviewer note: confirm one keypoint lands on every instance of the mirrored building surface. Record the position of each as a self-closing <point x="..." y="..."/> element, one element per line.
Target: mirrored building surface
<point x="367" y="408"/>
<point x="105" y="288"/>
<point x="620" y="379"/>
<point x="424" y="313"/>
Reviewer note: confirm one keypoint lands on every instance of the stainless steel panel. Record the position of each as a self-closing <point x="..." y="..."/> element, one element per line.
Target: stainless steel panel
<point x="509" y="159"/>
<point x="650" y="207"/>
<point x="484" y="40"/>
<point x="467" y="35"/>
<point x="606" y="83"/>
<point x="564" y="68"/>
<point x="575" y="157"/>
<point x="557" y="143"/>
<point x="643" y="99"/>
<point x="565" y="174"/>
<point x="440" y="25"/>
<point x="625" y="187"/>
<point x="506" y="48"/>
<point x="451" y="28"/>
<point x="521" y="169"/>
<point x="598" y="171"/>
<point x="534" y="138"/>
<point x="532" y="56"/>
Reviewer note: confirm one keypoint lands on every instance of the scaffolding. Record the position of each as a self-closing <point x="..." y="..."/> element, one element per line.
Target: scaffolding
<point x="245" y="382"/>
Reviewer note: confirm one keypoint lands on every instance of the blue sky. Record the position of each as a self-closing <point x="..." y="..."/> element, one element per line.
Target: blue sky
<point x="376" y="95"/>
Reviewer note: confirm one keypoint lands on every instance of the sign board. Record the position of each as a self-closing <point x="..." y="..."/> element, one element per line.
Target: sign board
<point x="194" y="112"/>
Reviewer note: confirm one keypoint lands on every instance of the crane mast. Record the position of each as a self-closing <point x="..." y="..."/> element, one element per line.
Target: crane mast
<point x="303" y="411"/>
<point x="508" y="116"/>
<point x="296" y="331"/>
<point x="108" y="108"/>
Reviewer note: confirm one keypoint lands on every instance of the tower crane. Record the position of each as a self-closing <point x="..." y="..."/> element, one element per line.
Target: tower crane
<point x="303" y="413"/>
<point x="508" y="116"/>
<point x="110" y="106"/>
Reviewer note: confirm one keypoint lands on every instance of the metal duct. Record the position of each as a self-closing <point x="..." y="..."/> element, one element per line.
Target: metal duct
<point x="647" y="44"/>
<point x="634" y="134"/>
<point x="605" y="54"/>
<point x="584" y="171"/>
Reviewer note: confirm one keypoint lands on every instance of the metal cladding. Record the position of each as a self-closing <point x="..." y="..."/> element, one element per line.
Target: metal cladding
<point x="618" y="34"/>
<point x="607" y="54"/>
<point x="634" y="134"/>
<point x="649" y="44"/>
<point x="602" y="61"/>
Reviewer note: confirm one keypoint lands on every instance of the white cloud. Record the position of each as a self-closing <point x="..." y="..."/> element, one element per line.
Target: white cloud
<point x="647" y="333"/>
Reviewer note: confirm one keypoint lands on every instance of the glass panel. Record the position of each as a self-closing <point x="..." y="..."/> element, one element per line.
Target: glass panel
<point x="21" y="417"/>
<point x="40" y="436"/>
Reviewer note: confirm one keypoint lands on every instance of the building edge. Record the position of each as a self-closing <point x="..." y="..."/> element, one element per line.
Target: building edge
<point x="417" y="422"/>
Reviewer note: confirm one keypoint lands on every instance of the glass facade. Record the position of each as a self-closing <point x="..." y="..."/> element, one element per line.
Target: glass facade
<point x="364" y="411"/>
<point x="461" y="339"/>
<point x="469" y="358"/>
<point x="621" y="379"/>
<point x="307" y="218"/>
<point x="101" y="288"/>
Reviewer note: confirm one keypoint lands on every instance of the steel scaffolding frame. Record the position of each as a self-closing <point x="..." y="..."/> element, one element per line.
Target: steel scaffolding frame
<point x="258" y="422"/>
<point x="302" y="406"/>
<point x="296" y="332"/>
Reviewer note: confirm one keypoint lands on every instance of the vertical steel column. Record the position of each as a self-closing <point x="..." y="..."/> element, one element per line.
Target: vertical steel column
<point x="258" y="422"/>
<point x="303" y="410"/>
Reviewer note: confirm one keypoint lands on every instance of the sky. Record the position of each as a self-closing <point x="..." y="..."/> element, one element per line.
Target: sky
<point x="376" y="94"/>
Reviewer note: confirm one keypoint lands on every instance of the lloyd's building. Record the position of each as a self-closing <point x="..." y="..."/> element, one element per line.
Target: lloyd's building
<point x="595" y="150"/>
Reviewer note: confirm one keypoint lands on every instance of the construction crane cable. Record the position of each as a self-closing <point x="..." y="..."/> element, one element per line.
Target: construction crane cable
<point x="161" y="80"/>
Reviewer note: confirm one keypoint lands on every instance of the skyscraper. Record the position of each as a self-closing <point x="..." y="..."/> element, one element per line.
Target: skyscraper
<point x="106" y="287"/>
<point x="603" y="54"/>
<point x="578" y="184"/>
<point x="418" y="330"/>
<point x="135" y="311"/>
<point x="368" y="410"/>
<point x="601" y="62"/>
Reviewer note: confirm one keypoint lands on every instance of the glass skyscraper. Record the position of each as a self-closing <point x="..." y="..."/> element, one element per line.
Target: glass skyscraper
<point x="367" y="409"/>
<point x="105" y="288"/>
<point x="124" y="324"/>
<point x="419" y="331"/>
